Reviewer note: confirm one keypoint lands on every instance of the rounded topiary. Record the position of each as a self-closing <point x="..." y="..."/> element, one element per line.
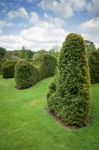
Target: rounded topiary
<point x="69" y="96"/>
<point x="25" y="74"/>
<point x="8" y="68"/>
<point x="94" y="66"/>
<point x="46" y="64"/>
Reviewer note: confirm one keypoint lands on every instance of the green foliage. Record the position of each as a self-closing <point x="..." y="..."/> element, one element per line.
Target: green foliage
<point x="29" y="54"/>
<point x="94" y="67"/>
<point x="1" y="63"/>
<point x="38" y="54"/>
<point x="26" y="54"/>
<point x="8" y="68"/>
<point x="69" y="95"/>
<point x="90" y="47"/>
<point x="12" y="55"/>
<point x="2" y="53"/>
<point x="46" y="64"/>
<point x="54" y="53"/>
<point x="26" y="75"/>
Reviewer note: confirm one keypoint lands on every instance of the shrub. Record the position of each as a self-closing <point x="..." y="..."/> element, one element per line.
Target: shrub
<point x="46" y="64"/>
<point x="94" y="67"/>
<point x="26" y="75"/>
<point x="8" y="68"/>
<point x="69" y="95"/>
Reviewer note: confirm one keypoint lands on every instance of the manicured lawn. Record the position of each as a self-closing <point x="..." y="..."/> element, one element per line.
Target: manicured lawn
<point x="25" y="124"/>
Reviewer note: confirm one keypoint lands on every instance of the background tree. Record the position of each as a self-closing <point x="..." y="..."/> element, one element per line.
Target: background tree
<point x="94" y="67"/>
<point x="90" y="47"/>
<point x="2" y="53"/>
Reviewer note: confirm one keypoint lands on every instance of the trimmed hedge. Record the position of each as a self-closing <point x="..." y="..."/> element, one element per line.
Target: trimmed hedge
<point x="26" y="75"/>
<point x="8" y="68"/>
<point x="46" y="65"/>
<point x="94" y="67"/>
<point x="69" y="95"/>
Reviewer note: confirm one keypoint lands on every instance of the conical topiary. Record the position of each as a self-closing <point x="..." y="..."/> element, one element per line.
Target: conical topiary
<point x="69" y="96"/>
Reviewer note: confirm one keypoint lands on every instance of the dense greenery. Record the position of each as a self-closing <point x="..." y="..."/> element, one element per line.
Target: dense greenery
<point x="46" y="64"/>
<point x="2" y="53"/>
<point x="8" y="68"/>
<point x="1" y="63"/>
<point x="26" y="54"/>
<point x="26" y="74"/>
<point x="69" y="96"/>
<point x="94" y="66"/>
<point x="90" y="47"/>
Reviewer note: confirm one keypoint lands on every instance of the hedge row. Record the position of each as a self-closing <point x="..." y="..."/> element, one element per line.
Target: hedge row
<point x="27" y="74"/>
<point x="46" y="65"/>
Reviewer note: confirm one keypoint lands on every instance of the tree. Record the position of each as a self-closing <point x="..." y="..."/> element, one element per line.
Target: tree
<point x="54" y="53"/>
<point x="69" y="95"/>
<point x="2" y="53"/>
<point x="90" y="47"/>
<point x="29" y="54"/>
<point x="94" y="67"/>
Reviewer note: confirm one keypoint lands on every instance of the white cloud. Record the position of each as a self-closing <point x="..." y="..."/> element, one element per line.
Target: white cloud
<point x="0" y="31"/>
<point x="63" y="8"/>
<point x="2" y="23"/>
<point x="5" y="24"/>
<point x="91" y="29"/>
<point x="56" y="20"/>
<point x="93" y="7"/>
<point x="34" y="18"/>
<point x="21" y="12"/>
<point x="40" y="36"/>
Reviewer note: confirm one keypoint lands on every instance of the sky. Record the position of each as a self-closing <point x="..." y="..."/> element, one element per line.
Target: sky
<point x="44" y="24"/>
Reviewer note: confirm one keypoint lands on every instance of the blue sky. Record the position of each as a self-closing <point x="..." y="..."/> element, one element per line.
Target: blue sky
<point x="44" y="24"/>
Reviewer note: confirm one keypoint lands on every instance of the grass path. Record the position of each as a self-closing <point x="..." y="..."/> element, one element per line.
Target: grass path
<point x="25" y="125"/>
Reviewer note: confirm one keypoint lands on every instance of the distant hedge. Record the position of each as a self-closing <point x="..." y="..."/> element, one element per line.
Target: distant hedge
<point x="1" y="63"/>
<point x="26" y="74"/>
<point x="94" y="66"/>
<point x="46" y="65"/>
<point x="8" y="68"/>
<point x="69" y="95"/>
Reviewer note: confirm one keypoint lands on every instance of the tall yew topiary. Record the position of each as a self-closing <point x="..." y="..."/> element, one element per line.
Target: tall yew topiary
<point x="69" y="95"/>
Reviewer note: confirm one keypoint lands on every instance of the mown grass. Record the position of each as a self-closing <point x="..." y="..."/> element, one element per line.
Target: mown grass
<point x="25" y="125"/>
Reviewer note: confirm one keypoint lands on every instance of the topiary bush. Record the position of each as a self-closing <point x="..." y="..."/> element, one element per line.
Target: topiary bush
<point x="69" y="95"/>
<point x="26" y="74"/>
<point x="94" y="67"/>
<point x="46" y="64"/>
<point x="8" y="68"/>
